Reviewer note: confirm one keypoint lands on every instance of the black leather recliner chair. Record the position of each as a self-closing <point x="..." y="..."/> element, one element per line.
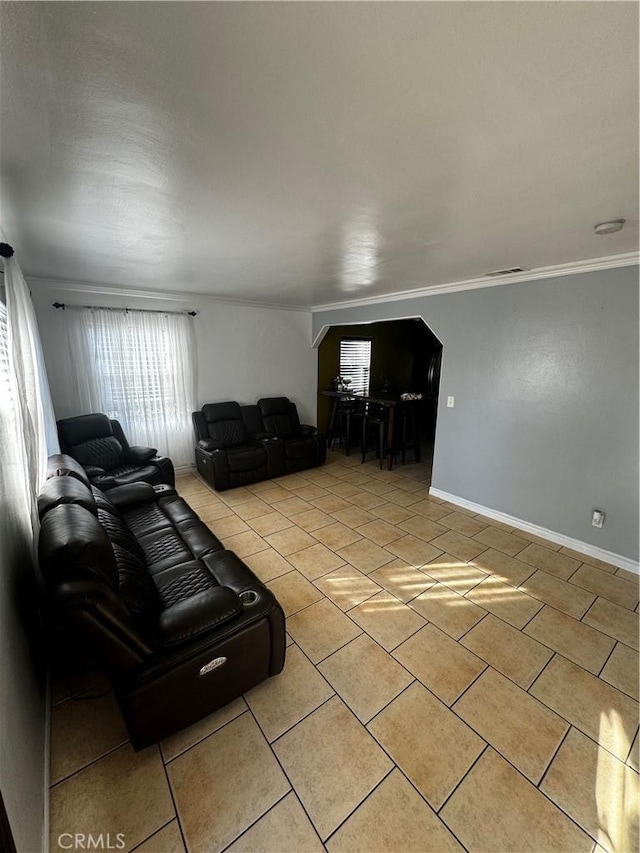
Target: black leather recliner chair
<point x="302" y="446"/>
<point x="181" y="625"/>
<point x="232" y="447"/>
<point x="101" y="447"/>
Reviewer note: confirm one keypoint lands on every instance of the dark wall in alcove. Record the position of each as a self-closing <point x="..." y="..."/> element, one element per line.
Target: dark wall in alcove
<point x="405" y="353"/>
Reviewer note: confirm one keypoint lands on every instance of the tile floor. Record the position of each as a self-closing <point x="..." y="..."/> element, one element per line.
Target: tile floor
<point x="451" y="683"/>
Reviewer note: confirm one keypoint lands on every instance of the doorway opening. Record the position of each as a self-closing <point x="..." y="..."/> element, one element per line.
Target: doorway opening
<point x="404" y="356"/>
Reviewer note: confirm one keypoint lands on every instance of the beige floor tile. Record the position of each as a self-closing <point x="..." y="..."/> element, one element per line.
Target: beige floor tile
<point x="439" y="662"/>
<point x="294" y="592"/>
<point x="501" y="599"/>
<point x="502" y="541"/>
<point x="632" y="577"/>
<point x="616" y="621"/>
<point x="616" y="589"/>
<point x="292" y="481"/>
<point x="386" y="619"/>
<point x="272" y="522"/>
<point x="365" y="555"/>
<point x="633" y="759"/>
<point x="268" y="564"/>
<point x="315" y="561"/>
<point x="585" y="558"/>
<point x="575" y="640"/>
<point x="366" y="677"/>
<point x="321" y="629"/>
<point x="234" y="497"/>
<point x="454" y="573"/>
<point x="401" y="580"/>
<point x="588" y="703"/>
<point x="252" y="509"/>
<point x="245" y="544"/>
<point x="166" y="840"/>
<point x="102" y="727"/>
<point x="282" y="701"/>
<point x="274" y="493"/>
<point x="184" y="739"/>
<point x="549" y="561"/>
<point x="332" y="762"/>
<point x="599" y="792"/>
<point x="312" y="519"/>
<point x="332" y="503"/>
<point x="366" y="500"/>
<point x="291" y="506"/>
<point x="452" y="613"/>
<point x="225" y="783"/>
<point x="430" y="508"/>
<point x="346" y="490"/>
<point x="622" y="670"/>
<point x="310" y="492"/>
<point x="380" y="531"/>
<point x="347" y="587"/>
<point x="496" y="808"/>
<point x="422" y="527"/>
<point x="289" y="541"/>
<point x="352" y="516"/>
<point x="508" y="650"/>
<point x="125" y="792"/>
<point x="378" y="486"/>
<point x="393" y="818"/>
<point x="213" y="512"/>
<point x="463" y="523"/>
<point x="520" y="728"/>
<point x="459" y="545"/>
<point x="228" y="525"/>
<point x="428" y="742"/>
<point x="538" y="540"/>
<point x="504" y="568"/>
<point x="392" y="513"/>
<point x="336" y="536"/>
<point x="415" y="551"/>
<point x="401" y="497"/>
<point x="560" y="594"/>
<point x="285" y="827"/>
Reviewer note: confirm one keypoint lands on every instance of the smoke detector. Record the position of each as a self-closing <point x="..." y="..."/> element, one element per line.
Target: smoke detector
<point x="609" y="227"/>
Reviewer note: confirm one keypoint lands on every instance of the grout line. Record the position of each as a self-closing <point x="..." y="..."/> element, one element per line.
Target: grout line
<point x="91" y="763"/>
<point x="264" y="814"/>
<point x="486" y="747"/>
<point x="553" y="757"/>
<point x="173" y="799"/>
<point x="156" y="831"/>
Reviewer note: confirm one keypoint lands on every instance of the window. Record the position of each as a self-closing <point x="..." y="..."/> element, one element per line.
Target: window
<point x="137" y="367"/>
<point x="355" y="362"/>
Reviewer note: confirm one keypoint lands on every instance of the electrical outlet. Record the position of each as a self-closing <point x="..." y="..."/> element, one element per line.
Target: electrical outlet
<point x="598" y="518"/>
<point x="451" y="402"/>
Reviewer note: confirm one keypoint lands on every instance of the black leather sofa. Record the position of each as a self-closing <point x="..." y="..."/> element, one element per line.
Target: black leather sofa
<point x="101" y="447"/>
<point x="237" y="445"/>
<point x="181" y="625"/>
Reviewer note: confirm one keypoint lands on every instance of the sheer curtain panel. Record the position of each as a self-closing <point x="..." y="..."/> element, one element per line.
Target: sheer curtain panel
<point x="138" y="367"/>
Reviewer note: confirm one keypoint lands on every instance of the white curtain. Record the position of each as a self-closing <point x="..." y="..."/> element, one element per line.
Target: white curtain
<point x="27" y="423"/>
<point x="138" y="367"/>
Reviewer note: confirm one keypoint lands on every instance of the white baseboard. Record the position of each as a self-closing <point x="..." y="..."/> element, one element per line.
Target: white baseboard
<point x="185" y="469"/>
<point x="551" y="535"/>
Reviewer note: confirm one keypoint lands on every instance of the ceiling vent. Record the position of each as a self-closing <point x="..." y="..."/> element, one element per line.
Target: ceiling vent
<point x="509" y="271"/>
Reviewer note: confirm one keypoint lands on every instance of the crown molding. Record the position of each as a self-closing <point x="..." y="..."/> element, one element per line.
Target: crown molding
<point x="96" y="289"/>
<point x="592" y="265"/>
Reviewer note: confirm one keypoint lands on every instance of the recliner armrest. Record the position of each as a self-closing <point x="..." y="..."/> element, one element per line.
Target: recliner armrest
<point x="209" y="444"/>
<point x="199" y="613"/>
<point x="139" y="455"/>
<point x="307" y="429"/>
<point x="131" y="494"/>
<point x="261" y="436"/>
<point x="93" y="471"/>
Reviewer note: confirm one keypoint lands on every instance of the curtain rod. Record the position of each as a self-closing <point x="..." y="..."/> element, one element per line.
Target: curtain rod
<point x="126" y="310"/>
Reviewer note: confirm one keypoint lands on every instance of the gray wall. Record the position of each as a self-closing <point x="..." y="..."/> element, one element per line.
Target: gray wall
<point x="23" y="707"/>
<point x="545" y="379"/>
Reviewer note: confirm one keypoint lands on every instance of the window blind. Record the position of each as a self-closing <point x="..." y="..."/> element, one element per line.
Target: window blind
<point x="355" y="362"/>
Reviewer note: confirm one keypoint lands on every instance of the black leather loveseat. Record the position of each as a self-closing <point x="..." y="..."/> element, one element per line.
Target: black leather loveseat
<point x="181" y="625"/>
<point x="237" y="445"/>
<point x="101" y="447"/>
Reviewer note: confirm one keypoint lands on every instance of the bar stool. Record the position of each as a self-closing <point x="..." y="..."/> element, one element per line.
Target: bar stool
<point x="375" y="420"/>
<point x="408" y="415"/>
<point x="342" y="425"/>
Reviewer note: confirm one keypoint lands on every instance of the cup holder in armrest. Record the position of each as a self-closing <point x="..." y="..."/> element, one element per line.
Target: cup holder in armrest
<point x="248" y="597"/>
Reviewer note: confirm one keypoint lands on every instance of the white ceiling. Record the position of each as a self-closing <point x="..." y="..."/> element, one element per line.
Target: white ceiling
<point x="305" y="153"/>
